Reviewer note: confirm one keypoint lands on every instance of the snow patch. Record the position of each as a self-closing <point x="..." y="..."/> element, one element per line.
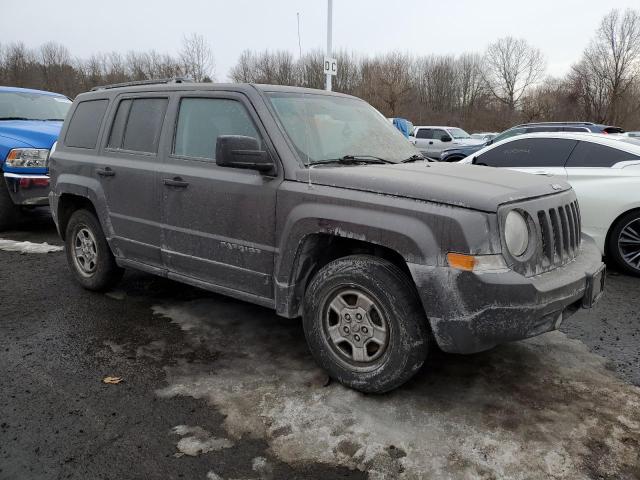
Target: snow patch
<point x="197" y="441"/>
<point x="28" y="247"/>
<point x="544" y="407"/>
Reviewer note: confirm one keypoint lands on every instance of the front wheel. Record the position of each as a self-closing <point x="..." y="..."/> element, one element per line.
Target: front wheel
<point x="624" y="243"/>
<point x="88" y="252"/>
<point x="9" y="212"/>
<point x="365" y="324"/>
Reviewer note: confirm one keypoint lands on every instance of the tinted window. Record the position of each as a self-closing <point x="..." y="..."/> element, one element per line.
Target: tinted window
<point x="119" y="122"/>
<point x="530" y="152"/>
<point x="438" y="134"/>
<point x="202" y="120"/>
<point x="425" y="133"/>
<point x="508" y="134"/>
<point x="85" y="124"/>
<point x="137" y="124"/>
<point x="588" y="154"/>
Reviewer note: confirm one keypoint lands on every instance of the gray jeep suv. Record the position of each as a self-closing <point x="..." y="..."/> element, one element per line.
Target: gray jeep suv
<point x="311" y="203"/>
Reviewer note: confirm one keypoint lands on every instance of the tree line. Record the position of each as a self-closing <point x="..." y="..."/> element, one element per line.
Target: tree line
<point x="490" y="90"/>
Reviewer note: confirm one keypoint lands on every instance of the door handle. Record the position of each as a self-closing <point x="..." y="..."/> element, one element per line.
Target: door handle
<point x="105" y="172"/>
<point x="175" y="182"/>
<point x="430" y="143"/>
<point x="542" y="172"/>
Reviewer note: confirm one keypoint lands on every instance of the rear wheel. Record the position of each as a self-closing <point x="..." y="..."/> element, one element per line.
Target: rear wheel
<point x="88" y="253"/>
<point x="365" y="324"/>
<point x="624" y="243"/>
<point x="9" y="212"/>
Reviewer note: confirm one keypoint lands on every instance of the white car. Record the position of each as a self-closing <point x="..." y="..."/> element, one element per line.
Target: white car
<point x="604" y="171"/>
<point x="433" y="140"/>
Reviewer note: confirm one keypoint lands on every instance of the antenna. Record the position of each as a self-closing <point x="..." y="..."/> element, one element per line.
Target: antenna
<point x="299" y="42"/>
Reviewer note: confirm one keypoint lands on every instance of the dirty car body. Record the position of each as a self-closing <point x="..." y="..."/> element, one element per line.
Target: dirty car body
<point x="312" y="199"/>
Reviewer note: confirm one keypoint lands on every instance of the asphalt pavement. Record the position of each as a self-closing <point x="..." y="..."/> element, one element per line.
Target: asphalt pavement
<point x="214" y="388"/>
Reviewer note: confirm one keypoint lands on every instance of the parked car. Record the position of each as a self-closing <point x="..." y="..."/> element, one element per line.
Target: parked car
<point x="30" y="121"/>
<point x="277" y="195"/>
<point x="603" y="170"/>
<point x="432" y="140"/>
<point x="458" y="153"/>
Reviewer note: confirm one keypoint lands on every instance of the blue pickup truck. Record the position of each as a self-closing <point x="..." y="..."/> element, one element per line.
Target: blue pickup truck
<point x="30" y="122"/>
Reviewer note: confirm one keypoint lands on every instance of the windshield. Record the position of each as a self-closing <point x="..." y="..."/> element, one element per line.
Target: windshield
<point x="458" y="133"/>
<point x="32" y="106"/>
<point x="325" y="128"/>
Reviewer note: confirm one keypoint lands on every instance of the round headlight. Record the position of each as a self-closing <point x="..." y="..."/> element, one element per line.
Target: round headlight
<point x="516" y="233"/>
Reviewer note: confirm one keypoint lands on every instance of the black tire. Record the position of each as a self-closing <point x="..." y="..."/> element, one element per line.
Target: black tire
<point x="614" y="253"/>
<point x="100" y="271"/>
<point x="9" y="212"/>
<point x="395" y="303"/>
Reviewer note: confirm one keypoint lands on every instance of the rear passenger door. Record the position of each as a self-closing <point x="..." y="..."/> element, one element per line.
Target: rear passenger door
<point x="540" y="156"/>
<point x="127" y="171"/>
<point x="219" y="222"/>
<point x="423" y="139"/>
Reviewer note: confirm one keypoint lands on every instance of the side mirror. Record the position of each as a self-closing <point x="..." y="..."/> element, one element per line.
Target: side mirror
<point x="445" y="138"/>
<point x="238" y="151"/>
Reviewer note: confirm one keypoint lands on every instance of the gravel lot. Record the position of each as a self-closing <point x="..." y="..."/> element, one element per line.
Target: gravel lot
<point x="216" y="388"/>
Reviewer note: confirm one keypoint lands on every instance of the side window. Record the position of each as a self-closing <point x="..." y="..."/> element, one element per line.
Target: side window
<point x="425" y="133"/>
<point x="137" y="124"/>
<point x="438" y="134"/>
<point x="587" y="154"/>
<point x="85" y="124"/>
<point x="202" y="120"/>
<point x="529" y="152"/>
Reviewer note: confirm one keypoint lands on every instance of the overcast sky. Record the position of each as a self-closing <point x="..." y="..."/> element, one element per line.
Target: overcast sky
<point x="560" y="28"/>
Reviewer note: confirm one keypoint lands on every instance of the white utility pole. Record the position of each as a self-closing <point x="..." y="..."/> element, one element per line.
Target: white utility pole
<point x="329" y="33"/>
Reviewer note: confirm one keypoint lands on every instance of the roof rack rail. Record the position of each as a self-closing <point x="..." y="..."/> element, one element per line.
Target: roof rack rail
<point x="554" y="123"/>
<point x="144" y="82"/>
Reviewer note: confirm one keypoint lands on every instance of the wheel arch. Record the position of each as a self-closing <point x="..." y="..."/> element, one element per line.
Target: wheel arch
<point x="67" y="204"/>
<point x="314" y="251"/>
<point x="614" y="224"/>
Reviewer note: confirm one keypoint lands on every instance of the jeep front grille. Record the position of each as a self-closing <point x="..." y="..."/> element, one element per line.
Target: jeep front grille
<point x="555" y="222"/>
<point x="560" y="232"/>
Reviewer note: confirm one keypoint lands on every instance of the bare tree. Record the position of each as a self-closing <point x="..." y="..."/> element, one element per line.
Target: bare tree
<point x="197" y="58"/>
<point x="610" y="65"/>
<point x="512" y="67"/>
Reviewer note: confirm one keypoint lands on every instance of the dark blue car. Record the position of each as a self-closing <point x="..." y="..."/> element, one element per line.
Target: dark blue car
<point x="30" y="122"/>
<point x="458" y="153"/>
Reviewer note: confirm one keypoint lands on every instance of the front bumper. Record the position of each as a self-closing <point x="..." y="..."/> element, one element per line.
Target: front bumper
<point x="28" y="189"/>
<point x="471" y="312"/>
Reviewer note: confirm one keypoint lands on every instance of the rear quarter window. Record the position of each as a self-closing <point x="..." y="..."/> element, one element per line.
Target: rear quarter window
<point x="85" y="124"/>
<point x="588" y="154"/>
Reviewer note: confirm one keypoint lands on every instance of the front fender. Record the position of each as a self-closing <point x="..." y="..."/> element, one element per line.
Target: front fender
<point x="419" y="232"/>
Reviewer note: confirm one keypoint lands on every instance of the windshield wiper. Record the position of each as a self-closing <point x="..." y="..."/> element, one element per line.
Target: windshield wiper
<point x="53" y="119"/>
<point x="353" y="160"/>
<point x="413" y="158"/>
<point x="15" y="118"/>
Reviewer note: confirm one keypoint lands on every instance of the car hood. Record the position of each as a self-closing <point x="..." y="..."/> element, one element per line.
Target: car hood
<point x="467" y="186"/>
<point x="468" y="141"/>
<point x="34" y="133"/>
